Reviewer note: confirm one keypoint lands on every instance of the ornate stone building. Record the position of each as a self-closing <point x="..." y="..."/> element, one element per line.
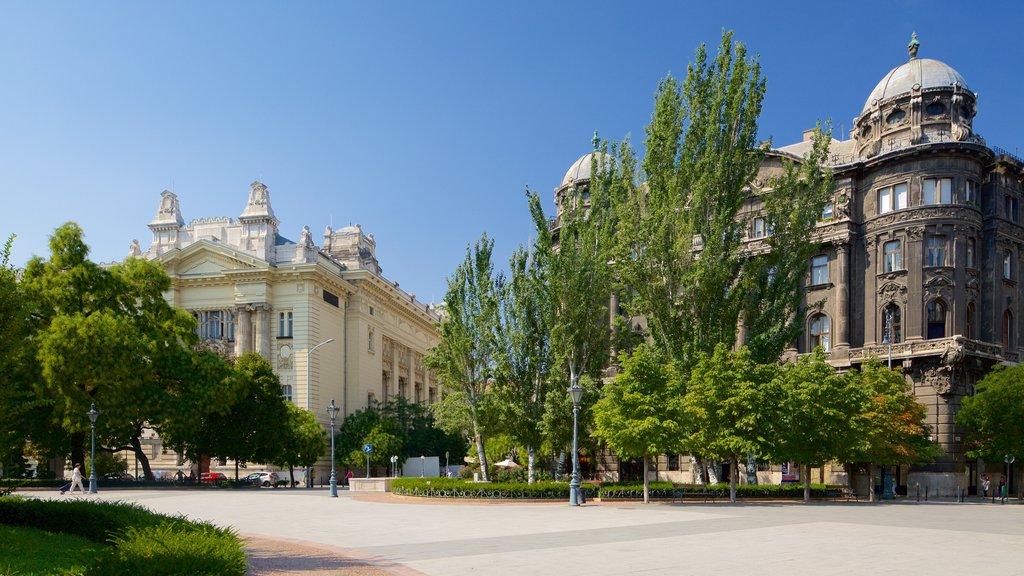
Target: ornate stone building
<point x="253" y="290"/>
<point x="921" y="247"/>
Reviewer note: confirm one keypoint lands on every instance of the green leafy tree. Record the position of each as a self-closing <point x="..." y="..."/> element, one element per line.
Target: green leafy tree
<point x="250" y="429"/>
<point x="419" y="435"/>
<point x="993" y="419"/>
<point x="464" y="358"/>
<point x="302" y="441"/>
<point x="773" y="281"/>
<point x="17" y="401"/>
<point x="386" y="443"/>
<point x="353" y="429"/>
<point x="639" y="414"/>
<point x="894" y="423"/>
<point x="104" y="336"/>
<point x="523" y="349"/>
<point x="820" y="416"/>
<point x="556" y="421"/>
<point x="729" y="405"/>
<point x="680" y="235"/>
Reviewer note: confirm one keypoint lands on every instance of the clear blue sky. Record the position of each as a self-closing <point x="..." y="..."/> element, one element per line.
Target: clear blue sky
<point x="423" y="121"/>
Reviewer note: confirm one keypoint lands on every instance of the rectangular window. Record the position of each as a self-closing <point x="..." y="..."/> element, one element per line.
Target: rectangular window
<point x="938" y="190"/>
<point x="673" y="462"/>
<point x="370" y="340"/>
<point x="971" y="193"/>
<point x="819" y="270"/>
<point x="1008" y="265"/>
<point x="892" y="198"/>
<point x="1010" y="208"/>
<point x="970" y="253"/>
<point x="936" y="255"/>
<point x="284" y="325"/>
<point x="331" y="298"/>
<point x="760" y="228"/>
<point x="892" y="256"/>
<point x="828" y="211"/>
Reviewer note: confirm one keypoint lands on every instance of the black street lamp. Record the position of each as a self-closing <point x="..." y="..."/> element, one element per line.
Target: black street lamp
<point x="93" y="414"/>
<point x="332" y="411"/>
<point x="576" y="393"/>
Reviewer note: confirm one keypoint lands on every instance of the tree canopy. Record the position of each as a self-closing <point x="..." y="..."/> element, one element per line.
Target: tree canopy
<point x="993" y="419"/>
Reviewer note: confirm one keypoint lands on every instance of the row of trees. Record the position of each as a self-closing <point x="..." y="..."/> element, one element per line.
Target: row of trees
<point x="396" y="428"/>
<point x="75" y="333"/>
<point x="665" y="235"/>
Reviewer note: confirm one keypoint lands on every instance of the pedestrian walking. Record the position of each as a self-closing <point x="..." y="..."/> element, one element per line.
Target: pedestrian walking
<point x="76" y="479"/>
<point x="985" y="485"/>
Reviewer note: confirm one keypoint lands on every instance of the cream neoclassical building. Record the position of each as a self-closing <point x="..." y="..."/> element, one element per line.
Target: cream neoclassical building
<point x="253" y="290"/>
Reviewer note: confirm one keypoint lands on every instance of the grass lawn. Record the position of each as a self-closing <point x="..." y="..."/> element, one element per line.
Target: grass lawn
<point x="31" y="552"/>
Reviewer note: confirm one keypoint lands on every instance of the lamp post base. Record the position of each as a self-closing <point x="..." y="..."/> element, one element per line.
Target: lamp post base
<point x="334" y="485"/>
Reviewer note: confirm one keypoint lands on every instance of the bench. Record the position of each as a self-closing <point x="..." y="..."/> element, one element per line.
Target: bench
<point x="705" y="495"/>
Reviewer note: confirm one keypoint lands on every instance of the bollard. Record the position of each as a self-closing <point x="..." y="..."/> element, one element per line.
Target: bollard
<point x="925" y="493"/>
<point x="918" y="486"/>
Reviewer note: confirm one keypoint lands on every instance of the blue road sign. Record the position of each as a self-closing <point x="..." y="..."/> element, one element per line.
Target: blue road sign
<point x="368" y="448"/>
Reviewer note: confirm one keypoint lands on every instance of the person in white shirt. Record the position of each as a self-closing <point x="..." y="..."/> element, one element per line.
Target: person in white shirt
<point x="76" y="479"/>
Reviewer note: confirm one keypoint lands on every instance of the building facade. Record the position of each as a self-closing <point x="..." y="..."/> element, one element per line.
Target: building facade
<point x="332" y="326"/>
<point x="920" y="254"/>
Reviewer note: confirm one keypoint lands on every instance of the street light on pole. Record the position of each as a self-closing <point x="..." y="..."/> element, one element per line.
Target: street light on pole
<point x="576" y="393"/>
<point x="93" y="414"/>
<point x="308" y="354"/>
<point x="332" y="411"/>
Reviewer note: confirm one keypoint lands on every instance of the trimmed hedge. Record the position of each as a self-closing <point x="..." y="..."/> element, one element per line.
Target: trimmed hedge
<point x="138" y="537"/>
<point x="455" y="488"/>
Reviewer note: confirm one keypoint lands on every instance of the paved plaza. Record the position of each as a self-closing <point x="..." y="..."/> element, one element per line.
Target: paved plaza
<point x="410" y="536"/>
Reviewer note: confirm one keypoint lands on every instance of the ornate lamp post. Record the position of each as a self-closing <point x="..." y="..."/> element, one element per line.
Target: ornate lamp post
<point x="576" y="393"/>
<point x="93" y="414"/>
<point x="308" y="354"/>
<point x="332" y="411"/>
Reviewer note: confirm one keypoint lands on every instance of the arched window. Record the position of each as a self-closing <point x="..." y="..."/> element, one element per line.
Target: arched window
<point x="892" y="324"/>
<point x="1007" y="329"/>
<point x="936" y="314"/>
<point x="969" y="328"/>
<point x="821" y="332"/>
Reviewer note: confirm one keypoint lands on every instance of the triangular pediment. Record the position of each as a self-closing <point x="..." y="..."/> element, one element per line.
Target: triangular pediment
<point x="208" y="259"/>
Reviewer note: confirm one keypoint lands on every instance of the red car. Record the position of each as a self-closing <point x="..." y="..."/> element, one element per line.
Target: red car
<point x="213" y="477"/>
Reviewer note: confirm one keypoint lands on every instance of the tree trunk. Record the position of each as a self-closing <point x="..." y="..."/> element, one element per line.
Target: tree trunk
<point x="531" y="459"/>
<point x="807" y="482"/>
<point x="560" y="465"/>
<point x="871" y="483"/>
<point x="481" y="455"/>
<point x="236" y="470"/>
<point x="291" y="475"/>
<point x="734" y="471"/>
<point x="712" y="471"/>
<point x="647" y="483"/>
<point x="141" y="457"/>
<point x="77" y="449"/>
<point x="751" y="469"/>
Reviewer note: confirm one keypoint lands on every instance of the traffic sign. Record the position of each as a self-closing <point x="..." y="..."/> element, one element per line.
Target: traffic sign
<point x="368" y="448"/>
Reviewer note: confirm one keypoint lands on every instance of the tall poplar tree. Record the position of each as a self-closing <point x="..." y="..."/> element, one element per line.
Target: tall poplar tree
<point x="680" y="217"/>
<point x="523" y="351"/>
<point x="464" y="358"/>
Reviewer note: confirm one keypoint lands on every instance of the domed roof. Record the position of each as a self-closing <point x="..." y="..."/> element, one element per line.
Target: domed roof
<point x="580" y="169"/>
<point x="925" y="72"/>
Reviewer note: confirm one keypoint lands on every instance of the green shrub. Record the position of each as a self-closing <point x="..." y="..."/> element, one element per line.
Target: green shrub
<point x="466" y="472"/>
<point x="456" y="488"/>
<point x="173" y="548"/>
<point x="512" y="475"/>
<point x="165" y="544"/>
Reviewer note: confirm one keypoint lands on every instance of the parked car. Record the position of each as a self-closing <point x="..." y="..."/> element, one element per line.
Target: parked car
<point x="262" y="478"/>
<point x="213" y="477"/>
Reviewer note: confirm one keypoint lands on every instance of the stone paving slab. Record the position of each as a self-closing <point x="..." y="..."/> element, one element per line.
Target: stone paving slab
<point x="306" y="532"/>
